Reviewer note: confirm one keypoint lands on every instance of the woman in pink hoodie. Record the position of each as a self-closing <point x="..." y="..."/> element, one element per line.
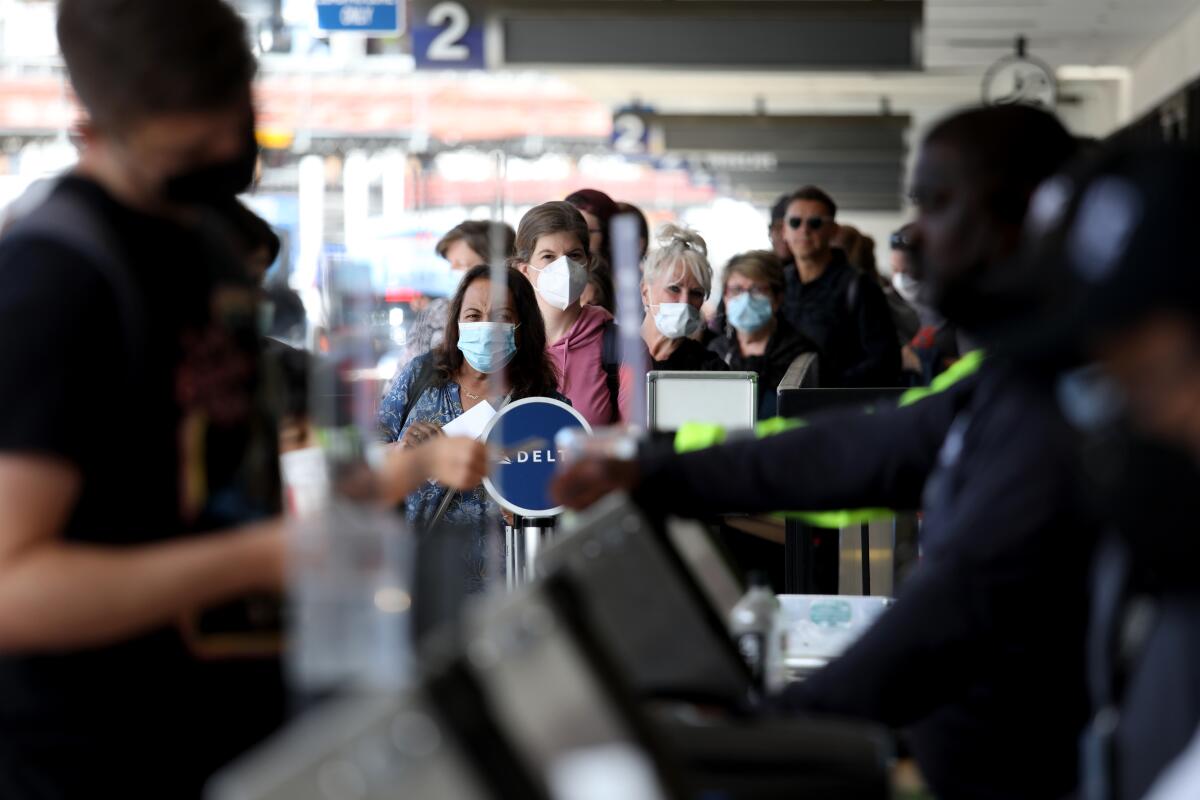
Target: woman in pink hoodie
<point x="553" y="253"/>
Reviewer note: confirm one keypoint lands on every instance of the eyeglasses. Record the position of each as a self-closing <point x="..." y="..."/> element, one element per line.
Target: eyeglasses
<point x="814" y="223"/>
<point x="899" y="241"/>
<point x="737" y="291"/>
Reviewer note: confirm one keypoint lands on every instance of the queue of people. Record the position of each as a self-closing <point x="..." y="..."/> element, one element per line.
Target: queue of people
<point x="1045" y="646"/>
<point x="771" y="310"/>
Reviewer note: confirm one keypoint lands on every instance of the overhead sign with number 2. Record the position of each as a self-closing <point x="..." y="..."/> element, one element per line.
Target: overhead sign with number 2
<point x="447" y="36"/>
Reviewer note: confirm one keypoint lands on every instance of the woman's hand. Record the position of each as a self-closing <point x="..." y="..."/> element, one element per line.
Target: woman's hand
<point x="455" y="462"/>
<point x="419" y="433"/>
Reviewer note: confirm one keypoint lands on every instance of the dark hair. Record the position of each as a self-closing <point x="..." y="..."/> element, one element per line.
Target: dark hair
<point x="481" y="236"/>
<point x="595" y="202"/>
<point x="604" y="207"/>
<point x="1009" y="150"/>
<point x="531" y="373"/>
<point x="129" y="59"/>
<point x="779" y="210"/>
<point x="859" y="249"/>
<point x="557" y="216"/>
<point x="600" y="279"/>
<point x="814" y="194"/>
<point x="643" y="224"/>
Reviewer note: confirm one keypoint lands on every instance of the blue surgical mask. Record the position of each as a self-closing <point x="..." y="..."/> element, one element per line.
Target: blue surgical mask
<point x="748" y="313"/>
<point x="487" y="346"/>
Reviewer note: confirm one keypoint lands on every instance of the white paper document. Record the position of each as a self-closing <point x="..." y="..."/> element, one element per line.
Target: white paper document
<point x="471" y="423"/>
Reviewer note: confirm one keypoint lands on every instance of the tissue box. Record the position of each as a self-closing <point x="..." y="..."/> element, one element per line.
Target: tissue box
<point x="818" y="627"/>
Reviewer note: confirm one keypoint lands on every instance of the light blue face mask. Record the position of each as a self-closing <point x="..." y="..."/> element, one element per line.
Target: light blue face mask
<point x="487" y="346"/>
<point x="748" y="313"/>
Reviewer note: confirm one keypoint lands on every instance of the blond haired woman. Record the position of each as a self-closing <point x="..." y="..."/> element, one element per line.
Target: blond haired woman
<point x="676" y="280"/>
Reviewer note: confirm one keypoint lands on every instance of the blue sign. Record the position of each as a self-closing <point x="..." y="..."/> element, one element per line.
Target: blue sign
<point x="631" y="131"/>
<point x="522" y="437"/>
<point x="448" y="38"/>
<point x="363" y="16"/>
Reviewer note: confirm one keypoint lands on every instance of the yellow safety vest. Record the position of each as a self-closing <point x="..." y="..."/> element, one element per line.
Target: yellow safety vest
<point x="694" y="436"/>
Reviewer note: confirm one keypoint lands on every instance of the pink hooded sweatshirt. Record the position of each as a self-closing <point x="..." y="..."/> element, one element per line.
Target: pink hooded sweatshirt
<point x="578" y="357"/>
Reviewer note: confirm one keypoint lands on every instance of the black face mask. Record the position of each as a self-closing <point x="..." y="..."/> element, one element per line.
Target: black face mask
<point x="214" y="183"/>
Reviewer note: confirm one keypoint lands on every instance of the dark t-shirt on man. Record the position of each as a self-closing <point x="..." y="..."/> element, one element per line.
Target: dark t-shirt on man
<point x="167" y="443"/>
<point x="845" y="313"/>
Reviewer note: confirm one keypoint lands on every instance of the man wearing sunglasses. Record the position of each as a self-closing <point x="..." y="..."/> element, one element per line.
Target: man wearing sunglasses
<point x="835" y="305"/>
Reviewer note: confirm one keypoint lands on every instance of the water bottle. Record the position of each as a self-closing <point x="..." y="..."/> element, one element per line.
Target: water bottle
<point x="754" y="624"/>
<point x="350" y="587"/>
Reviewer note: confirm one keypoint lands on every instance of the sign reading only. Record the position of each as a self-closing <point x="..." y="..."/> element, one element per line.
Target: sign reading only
<point x="363" y="16"/>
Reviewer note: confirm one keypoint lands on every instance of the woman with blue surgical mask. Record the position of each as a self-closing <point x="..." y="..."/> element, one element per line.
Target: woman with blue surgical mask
<point x="757" y="339"/>
<point x="676" y="280"/>
<point x="488" y="343"/>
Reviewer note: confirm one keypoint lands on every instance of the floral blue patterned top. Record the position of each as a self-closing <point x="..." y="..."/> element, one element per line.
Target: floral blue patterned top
<point x="439" y="405"/>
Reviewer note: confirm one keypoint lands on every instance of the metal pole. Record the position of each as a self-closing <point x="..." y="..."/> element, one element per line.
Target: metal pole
<point x="524" y="541"/>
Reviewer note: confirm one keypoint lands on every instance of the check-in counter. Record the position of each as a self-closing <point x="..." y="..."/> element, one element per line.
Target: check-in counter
<point x="853" y="555"/>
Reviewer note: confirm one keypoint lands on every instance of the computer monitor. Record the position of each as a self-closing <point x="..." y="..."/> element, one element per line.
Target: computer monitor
<point x="706" y="563"/>
<point x="526" y="662"/>
<point x="729" y="399"/>
<point x="667" y="634"/>
<point x="797" y="402"/>
<point x="374" y="747"/>
<point x="658" y="607"/>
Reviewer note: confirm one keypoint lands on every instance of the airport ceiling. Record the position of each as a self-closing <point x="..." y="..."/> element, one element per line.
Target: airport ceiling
<point x="974" y="33"/>
<point x="957" y="34"/>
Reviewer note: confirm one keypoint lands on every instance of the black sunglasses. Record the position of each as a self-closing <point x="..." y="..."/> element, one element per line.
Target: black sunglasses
<point x="814" y="223"/>
<point x="899" y="241"/>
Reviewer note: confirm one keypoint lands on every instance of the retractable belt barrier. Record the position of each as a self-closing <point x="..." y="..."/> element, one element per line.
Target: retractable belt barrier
<point x="521" y="440"/>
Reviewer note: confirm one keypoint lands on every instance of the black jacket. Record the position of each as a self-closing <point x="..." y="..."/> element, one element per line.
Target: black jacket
<point x="982" y="654"/>
<point x="1144" y="644"/>
<point x="691" y="356"/>
<point x="845" y="313"/>
<point x="782" y="348"/>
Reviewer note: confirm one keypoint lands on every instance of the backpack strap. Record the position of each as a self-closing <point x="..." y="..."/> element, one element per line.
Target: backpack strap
<point x="421" y="382"/>
<point x="68" y="220"/>
<point x="852" y="289"/>
<point x="610" y="362"/>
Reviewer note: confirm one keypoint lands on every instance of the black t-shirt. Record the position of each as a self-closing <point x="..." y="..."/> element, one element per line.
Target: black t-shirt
<point x="169" y="443"/>
<point x="691" y="356"/>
